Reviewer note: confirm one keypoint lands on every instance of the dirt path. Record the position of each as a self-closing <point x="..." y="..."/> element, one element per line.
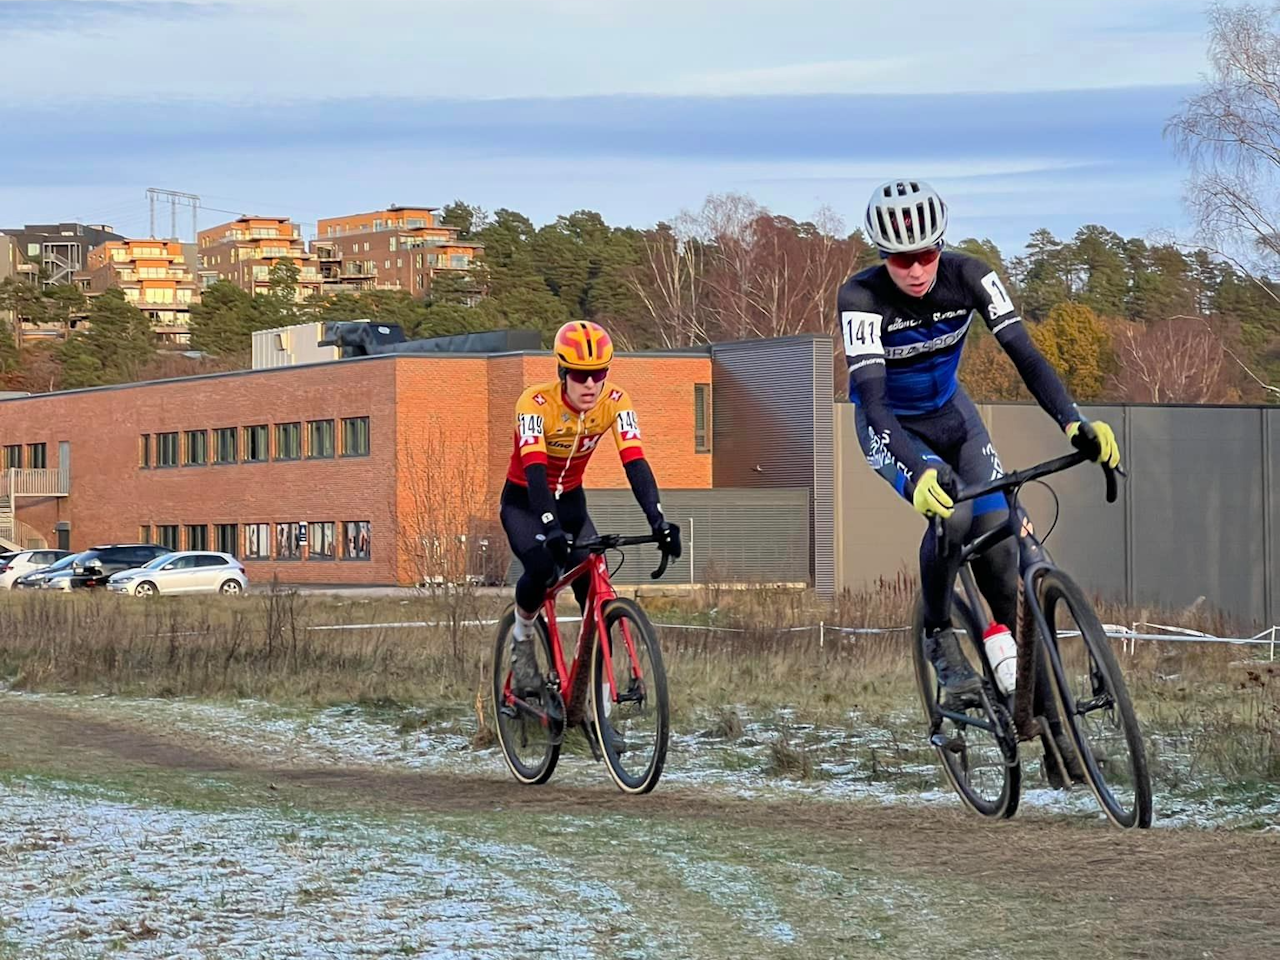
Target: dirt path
<point x="1158" y="893"/>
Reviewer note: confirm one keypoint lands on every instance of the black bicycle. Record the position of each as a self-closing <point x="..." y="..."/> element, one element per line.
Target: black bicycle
<point x="1069" y="691"/>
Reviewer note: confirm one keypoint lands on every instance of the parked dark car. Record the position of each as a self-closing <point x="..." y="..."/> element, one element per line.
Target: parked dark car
<point x="35" y="578"/>
<point x="96" y="565"/>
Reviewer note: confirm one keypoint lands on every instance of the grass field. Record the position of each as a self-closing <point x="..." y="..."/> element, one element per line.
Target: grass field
<point x="221" y="781"/>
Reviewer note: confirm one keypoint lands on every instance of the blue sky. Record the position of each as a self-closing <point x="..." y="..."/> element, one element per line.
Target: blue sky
<point x="1024" y="115"/>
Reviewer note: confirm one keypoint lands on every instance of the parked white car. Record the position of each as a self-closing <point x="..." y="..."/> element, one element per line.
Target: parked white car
<point x="24" y="561"/>
<point x="185" y="572"/>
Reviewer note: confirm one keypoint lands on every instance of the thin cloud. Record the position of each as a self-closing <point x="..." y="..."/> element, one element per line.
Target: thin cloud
<point x="61" y="16"/>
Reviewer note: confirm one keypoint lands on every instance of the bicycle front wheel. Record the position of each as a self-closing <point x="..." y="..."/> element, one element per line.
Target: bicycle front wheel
<point x="629" y="698"/>
<point x="1095" y="703"/>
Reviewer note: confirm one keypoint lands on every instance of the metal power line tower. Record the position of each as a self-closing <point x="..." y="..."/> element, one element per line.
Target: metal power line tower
<point x="175" y="199"/>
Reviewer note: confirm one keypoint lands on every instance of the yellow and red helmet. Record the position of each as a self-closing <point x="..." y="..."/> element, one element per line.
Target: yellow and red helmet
<point x="583" y="345"/>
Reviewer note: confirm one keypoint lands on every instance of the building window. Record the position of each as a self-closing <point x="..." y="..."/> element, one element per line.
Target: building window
<point x="366" y="246"/>
<point x="228" y="539"/>
<point x="255" y="444"/>
<point x="386" y="264"/>
<point x="417" y="260"/>
<point x="144" y="533"/>
<point x="320" y="439"/>
<point x="167" y="450"/>
<point x="392" y="244"/>
<point x="321" y="541"/>
<point x="355" y="437"/>
<point x="197" y="448"/>
<point x="257" y="541"/>
<point x="702" y="417"/>
<point x="197" y="537"/>
<point x="459" y="261"/>
<point x="287" y="546"/>
<point x="36" y="454"/>
<point x="355" y="540"/>
<point x="224" y="445"/>
<point x="167" y="536"/>
<point x="13" y="457"/>
<point x="288" y="441"/>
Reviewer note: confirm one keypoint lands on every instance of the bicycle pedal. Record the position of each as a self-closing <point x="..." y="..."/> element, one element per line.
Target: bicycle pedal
<point x="943" y="742"/>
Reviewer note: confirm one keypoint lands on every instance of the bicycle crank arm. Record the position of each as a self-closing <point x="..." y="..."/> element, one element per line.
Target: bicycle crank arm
<point x="965" y="720"/>
<point x="1062" y="755"/>
<point x="596" y="755"/>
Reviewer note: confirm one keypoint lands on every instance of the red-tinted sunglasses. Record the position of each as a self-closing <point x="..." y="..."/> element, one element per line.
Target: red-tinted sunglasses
<point x="587" y="376"/>
<point x="905" y="261"/>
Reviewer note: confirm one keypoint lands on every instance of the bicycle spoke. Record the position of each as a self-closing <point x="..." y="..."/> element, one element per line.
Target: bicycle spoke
<point x="630" y="699"/>
<point x="971" y="751"/>
<point x="1097" y="705"/>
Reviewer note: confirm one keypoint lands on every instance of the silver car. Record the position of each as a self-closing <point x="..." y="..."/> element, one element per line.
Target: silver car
<point x="184" y="572"/>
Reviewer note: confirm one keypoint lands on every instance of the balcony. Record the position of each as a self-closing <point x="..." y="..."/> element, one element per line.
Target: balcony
<point x="16" y="482"/>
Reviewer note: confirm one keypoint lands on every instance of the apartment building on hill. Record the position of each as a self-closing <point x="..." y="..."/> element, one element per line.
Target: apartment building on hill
<point x="245" y="250"/>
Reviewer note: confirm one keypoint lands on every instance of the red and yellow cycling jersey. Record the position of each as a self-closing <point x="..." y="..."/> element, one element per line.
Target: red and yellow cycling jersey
<point x="549" y="430"/>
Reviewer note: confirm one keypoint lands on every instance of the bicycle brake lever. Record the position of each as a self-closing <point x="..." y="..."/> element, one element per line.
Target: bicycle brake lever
<point x="662" y="566"/>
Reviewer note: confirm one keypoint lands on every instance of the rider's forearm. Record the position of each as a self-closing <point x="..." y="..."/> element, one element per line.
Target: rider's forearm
<point x="1041" y="379"/>
<point x="867" y="386"/>
<point x="540" y="499"/>
<point x="645" y="488"/>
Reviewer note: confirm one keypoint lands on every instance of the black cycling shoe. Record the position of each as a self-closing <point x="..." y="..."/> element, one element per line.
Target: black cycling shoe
<point x="954" y="673"/>
<point x="616" y="740"/>
<point x="526" y="679"/>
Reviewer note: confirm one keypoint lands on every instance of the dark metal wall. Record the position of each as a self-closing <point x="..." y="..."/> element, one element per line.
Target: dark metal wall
<point x="730" y="535"/>
<point x="772" y="428"/>
<point x="1196" y="518"/>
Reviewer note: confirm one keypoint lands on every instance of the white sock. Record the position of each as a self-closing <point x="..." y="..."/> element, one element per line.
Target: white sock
<point x="524" y="628"/>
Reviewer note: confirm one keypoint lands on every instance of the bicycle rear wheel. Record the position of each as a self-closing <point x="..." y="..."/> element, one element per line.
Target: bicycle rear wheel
<point x="529" y="731"/>
<point x="1095" y="703"/>
<point x="629" y="699"/>
<point x="981" y="762"/>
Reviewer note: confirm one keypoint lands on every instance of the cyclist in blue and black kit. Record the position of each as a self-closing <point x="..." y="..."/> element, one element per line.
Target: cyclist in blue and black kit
<point x="904" y="324"/>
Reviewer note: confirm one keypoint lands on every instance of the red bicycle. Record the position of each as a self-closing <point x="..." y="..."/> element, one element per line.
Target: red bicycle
<point x="615" y="687"/>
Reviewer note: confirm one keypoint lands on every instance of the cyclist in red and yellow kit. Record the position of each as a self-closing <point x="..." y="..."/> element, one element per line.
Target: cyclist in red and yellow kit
<point x="558" y="426"/>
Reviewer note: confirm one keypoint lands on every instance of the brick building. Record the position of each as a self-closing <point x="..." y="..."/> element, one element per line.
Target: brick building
<point x="379" y="458"/>
<point x="399" y="248"/>
<point x="245" y="250"/>
<point x="154" y="276"/>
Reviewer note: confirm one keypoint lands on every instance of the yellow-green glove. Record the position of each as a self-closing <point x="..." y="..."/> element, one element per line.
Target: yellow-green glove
<point x="929" y="497"/>
<point x="1096" y="440"/>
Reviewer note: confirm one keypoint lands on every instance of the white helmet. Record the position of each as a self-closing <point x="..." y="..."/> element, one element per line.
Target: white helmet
<point x="905" y="215"/>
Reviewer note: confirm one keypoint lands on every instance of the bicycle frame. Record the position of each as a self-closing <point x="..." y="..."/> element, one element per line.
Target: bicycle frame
<point x="1033" y="562"/>
<point x="599" y="592"/>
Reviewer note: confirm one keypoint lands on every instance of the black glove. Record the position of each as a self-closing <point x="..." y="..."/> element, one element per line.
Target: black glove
<point x="556" y="541"/>
<point x="668" y="535"/>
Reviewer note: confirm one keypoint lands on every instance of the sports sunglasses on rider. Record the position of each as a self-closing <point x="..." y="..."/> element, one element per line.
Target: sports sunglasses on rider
<point x="905" y="261"/>
<point x="587" y="376"/>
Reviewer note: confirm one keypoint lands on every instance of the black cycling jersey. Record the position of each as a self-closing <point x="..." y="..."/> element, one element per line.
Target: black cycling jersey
<point x="903" y="351"/>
